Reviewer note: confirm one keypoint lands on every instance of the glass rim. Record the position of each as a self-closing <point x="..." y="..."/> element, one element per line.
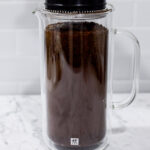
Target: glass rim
<point x="76" y="15"/>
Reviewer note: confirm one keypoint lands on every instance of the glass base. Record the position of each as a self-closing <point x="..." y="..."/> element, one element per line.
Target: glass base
<point x="102" y="145"/>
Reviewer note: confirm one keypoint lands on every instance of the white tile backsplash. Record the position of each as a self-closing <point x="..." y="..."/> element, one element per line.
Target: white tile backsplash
<point x="8" y="87"/>
<point x="123" y="61"/>
<point x="19" y="45"/>
<point x="143" y="14"/>
<point x="18" y="15"/>
<point x="7" y="43"/>
<point x="28" y="87"/>
<point x="123" y="14"/>
<point x="143" y="35"/>
<point x="145" y="66"/>
<point x="19" y="69"/>
<point x="27" y="42"/>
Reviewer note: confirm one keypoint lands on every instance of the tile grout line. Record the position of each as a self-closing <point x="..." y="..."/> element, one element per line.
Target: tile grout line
<point x="135" y="14"/>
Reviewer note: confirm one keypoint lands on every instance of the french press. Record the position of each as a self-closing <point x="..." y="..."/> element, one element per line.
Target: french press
<point x="76" y="72"/>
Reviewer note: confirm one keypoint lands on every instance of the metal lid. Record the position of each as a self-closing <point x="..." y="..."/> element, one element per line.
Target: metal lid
<point x="75" y="5"/>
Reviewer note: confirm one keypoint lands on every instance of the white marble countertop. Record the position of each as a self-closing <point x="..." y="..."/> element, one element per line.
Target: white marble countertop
<point x="20" y="124"/>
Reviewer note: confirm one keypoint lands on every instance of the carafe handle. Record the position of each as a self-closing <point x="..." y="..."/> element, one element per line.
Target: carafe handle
<point x="135" y="85"/>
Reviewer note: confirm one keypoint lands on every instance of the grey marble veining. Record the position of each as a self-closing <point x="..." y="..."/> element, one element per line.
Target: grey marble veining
<point x="20" y="124"/>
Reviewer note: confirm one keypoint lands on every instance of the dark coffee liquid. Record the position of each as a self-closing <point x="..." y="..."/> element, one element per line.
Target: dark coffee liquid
<point x="76" y="83"/>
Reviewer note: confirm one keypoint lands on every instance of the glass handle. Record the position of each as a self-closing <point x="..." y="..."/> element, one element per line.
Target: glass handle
<point x="136" y="59"/>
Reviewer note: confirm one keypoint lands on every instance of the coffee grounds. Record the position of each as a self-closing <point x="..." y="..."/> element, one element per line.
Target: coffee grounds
<point x="76" y="71"/>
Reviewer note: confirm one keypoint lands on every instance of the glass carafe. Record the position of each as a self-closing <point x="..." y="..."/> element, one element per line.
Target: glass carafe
<point x="76" y="77"/>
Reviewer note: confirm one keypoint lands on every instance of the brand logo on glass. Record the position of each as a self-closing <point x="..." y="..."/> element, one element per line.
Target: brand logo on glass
<point x="74" y="141"/>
